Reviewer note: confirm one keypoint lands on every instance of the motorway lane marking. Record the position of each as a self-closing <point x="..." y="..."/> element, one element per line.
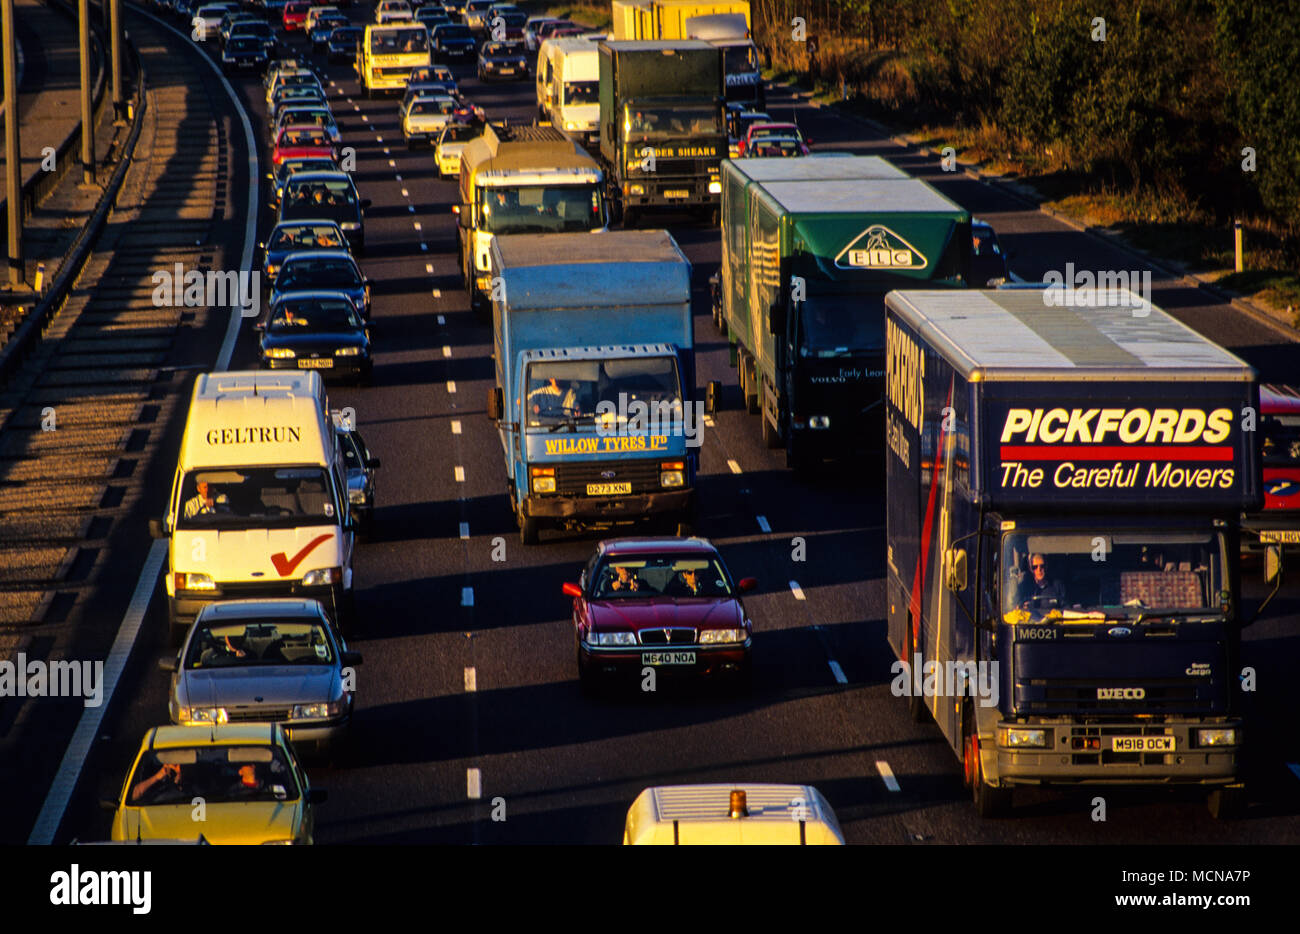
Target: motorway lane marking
<point x="708" y="421"/>
<point x="838" y="672"/>
<point x="398" y="177"/>
<point x="424" y="246"/>
<point x="763" y="524"/>
<point x="446" y="351"/>
<point x="428" y="267"/>
<point x="379" y="139"/>
<point x="471" y="680"/>
<point x="797" y="590"/>
<point x="464" y="530"/>
<point x="887" y="774"/>
<point x="735" y="468"/>
<point x="392" y="163"/>
<point x="455" y="426"/>
<point x="451" y="386"/>
<point x="355" y="106"/>
<point x="417" y="225"/>
<point x="407" y="194"/>
<point x="460" y="474"/>
<point x="365" y="119"/>
<point x="411" y="208"/>
<point x="467" y="596"/>
<point x="474" y="783"/>
<point x="1295" y="769"/>
<point x="437" y="293"/>
<point x="441" y="319"/>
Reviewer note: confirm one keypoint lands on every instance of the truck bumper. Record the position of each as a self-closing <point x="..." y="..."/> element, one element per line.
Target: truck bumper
<point x="1062" y="762"/>
<point x="670" y="193"/>
<point x="609" y="508"/>
<point x="1276" y="526"/>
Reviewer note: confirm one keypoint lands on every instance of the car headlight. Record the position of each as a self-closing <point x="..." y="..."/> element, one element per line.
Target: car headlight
<point x="357" y="497"/>
<point x="636" y="189"/>
<point x="482" y="283"/>
<point x="570" y="125"/>
<point x="347" y="351"/>
<point x="1216" y="737"/>
<point x="611" y="638"/>
<point x="715" y="188"/>
<point x="279" y="353"/>
<point x="204" y="715"/>
<point x="716" y="636"/>
<point x="1016" y="737"/>
<point x="195" y="580"/>
<point x="322" y="576"/>
<point x="317" y="711"/>
<point x="271" y="270"/>
<point x="819" y="421"/>
<point x="350" y="225"/>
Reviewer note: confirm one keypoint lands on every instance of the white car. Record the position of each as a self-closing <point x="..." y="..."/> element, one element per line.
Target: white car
<point x="423" y="116"/>
<point x="452" y="140"/>
<point x="207" y="21"/>
<point x="315" y="13"/>
<point x="393" y="11"/>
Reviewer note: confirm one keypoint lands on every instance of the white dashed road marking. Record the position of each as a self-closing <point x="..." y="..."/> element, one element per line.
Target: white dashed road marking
<point x="467" y="596"/>
<point x="460" y="474"/>
<point x="455" y="426"/>
<point x="464" y="530"/>
<point x="735" y="468"/>
<point x="471" y="680"/>
<point x="451" y="386"/>
<point x="887" y="774"/>
<point x="446" y="351"/>
<point x="763" y="524"/>
<point x="474" y="783"/>
<point x="797" y="590"/>
<point x="838" y="672"/>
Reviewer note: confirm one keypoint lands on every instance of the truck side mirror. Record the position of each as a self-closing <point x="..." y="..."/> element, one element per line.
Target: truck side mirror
<point x="1272" y="563"/>
<point x="464" y="216"/>
<point x="955" y="559"/>
<point x="156" y="529"/>
<point x="776" y="319"/>
<point x="495" y="404"/>
<point x="711" y="396"/>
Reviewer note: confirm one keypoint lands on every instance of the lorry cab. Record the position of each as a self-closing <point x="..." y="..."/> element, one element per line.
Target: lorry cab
<point x="568" y="88"/>
<point x="522" y="179"/>
<point x="259" y="502"/>
<point x="744" y="813"/>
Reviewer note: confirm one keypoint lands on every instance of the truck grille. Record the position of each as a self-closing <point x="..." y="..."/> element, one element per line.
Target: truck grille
<point x="572" y="479"/>
<point x="1162" y="694"/>
<point x="667" y="636"/>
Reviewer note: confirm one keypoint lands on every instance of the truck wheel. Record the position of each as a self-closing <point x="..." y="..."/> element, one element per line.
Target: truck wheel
<point x="1228" y="802"/>
<point x="752" y="392"/>
<point x="771" y="434"/>
<point x="990" y="802"/>
<point x="529" y="527"/>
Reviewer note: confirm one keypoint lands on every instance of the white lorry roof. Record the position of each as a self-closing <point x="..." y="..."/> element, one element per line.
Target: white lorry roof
<point x="855" y="196"/>
<point x="800" y="170"/>
<point x="1029" y="334"/>
<point x="253" y="418"/>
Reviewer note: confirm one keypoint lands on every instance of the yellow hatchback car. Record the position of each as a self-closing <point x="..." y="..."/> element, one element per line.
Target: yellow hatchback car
<point x="229" y="783"/>
<point x="732" y="814"/>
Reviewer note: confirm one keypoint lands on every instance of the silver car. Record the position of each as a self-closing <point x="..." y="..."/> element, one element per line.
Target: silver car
<point x="274" y="660"/>
<point x="361" y="467"/>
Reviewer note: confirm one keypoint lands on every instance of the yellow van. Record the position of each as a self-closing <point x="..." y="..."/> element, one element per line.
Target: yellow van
<point x="259" y="504"/>
<point x="732" y="814"/>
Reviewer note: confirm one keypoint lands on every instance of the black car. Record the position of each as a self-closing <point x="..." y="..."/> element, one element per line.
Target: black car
<point x="243" y="53"/>
<point x="259" y="30"/>
<point x="453" y="42"/>
<point x="316" y="330"/>
<point x="327" y="195"/>
<point x="319" y="34"/>
<point x="289" y="166"/>
<point x="502" y="60"/>
<point x="988" y="264"/>
<point x="342" y="45"/>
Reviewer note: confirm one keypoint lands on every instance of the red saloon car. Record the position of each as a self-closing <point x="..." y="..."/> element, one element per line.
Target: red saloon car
<point x="664" y="603"/>
<point x="757" y="131"/>
<point x="302" y="141"/>
<point x="1279" y="410"/>
<point x="295" y="16"/>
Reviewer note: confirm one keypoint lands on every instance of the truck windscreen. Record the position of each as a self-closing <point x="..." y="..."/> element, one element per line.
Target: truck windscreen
<point x="832" y="325"/>
<point x="672" y="122"/>
<point x="572" y="391"/>
<point x="740" y="59"/>
<point x="256" y="497"/>
<point x="399" y="40"/>
<point x="581" y="92"/>
<point x="1110" y="574"/>
<point x="540" y="209"/>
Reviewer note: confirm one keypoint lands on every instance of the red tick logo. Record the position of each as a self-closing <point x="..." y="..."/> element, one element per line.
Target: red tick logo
<point x="285" y="566"/>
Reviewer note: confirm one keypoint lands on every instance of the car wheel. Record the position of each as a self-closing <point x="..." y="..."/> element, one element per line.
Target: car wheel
<point x="1228" y="802"/>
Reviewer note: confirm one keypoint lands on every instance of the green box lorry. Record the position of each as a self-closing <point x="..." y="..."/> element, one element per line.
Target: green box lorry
<point x="806" y="263"/>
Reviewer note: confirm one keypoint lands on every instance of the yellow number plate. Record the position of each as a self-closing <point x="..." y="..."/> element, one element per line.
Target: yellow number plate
<point x="677" y="193"/>
<point x="608" y="489"/>
<point x="323" y="363"/>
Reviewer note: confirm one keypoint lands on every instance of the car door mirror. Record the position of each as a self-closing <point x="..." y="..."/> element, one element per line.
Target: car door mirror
<point x="747" y="584"/>
<point x="317" y="796"/>
<point x="350" y="658"/>
<point x="169" y="664"/>
<point x="711" y="396"/>
<point x="365" y="204"/>
<point x="156" y="529"/>
<point x="373" y="463"/>
<point x="571" y="590"/>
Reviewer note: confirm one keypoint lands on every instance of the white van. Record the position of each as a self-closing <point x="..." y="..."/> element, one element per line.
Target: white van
<point x="259" y="503"/>
<point x="568" y="87"/>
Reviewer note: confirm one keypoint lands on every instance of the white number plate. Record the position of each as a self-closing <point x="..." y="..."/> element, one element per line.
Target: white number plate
<point x="667" y="658"/>
<point x="608" y="489"/>
<point x="1142" y="744"/>
<point x="322" y="363"/>
<point x="677" y="193"/>
<point x="1288" y="537"/>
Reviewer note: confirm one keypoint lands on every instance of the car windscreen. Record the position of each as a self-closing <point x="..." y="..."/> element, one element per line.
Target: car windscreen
<point x="454" y="31"/>
<point x="322" y="194"/>
<point x="306" y="237"/>
<point x="314" y="115"/>
<point x="1137" y="572"/>
<point x="313" y="273"/>
<point x="572" y="391"/>
<point x="301" y="137"/>
<point x="656" y="575"/>
<point x="302" y="316"/>
<point x="289" y="166"/>
<point x="537" y="209"/>
<point x="581" y="92"/>
<point x="432" y="106"/>
<point x="260" y="642"/>
<point x="214" y="774"/>
<point x="461" y="133"/>
<point x="251" y="497"/>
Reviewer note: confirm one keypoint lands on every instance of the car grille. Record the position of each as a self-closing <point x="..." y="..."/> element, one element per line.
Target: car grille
<point x="572" y="479"/>
<point x="257" y="714"/>
<point x="667" y="636"/>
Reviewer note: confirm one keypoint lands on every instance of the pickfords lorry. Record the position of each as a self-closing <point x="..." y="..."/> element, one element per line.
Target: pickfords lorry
<point x="1064" y="485"/>
<point x="595" y="369"/>
<point x="809" y="249"/>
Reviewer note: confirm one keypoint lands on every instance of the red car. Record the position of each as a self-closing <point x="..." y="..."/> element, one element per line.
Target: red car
<point x="295" y="16"/>
<point x="302" y="141"/>
<point x="1279" y="410"/>
<point x="663" y="603"/>
<point x="757" y="130"/>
